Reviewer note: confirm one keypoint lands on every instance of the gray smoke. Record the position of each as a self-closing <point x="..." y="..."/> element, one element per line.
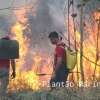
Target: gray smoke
<point x="4" y="26"/>
<point x="49" y="17"/>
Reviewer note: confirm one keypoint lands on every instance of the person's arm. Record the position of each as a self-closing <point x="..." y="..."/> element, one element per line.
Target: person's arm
<point x="13" y="65"/>
<point x="58" y="63"/>
<point x="59" y="59"/>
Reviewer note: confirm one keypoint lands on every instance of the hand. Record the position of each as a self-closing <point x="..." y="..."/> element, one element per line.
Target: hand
<point x="13" y="75"/>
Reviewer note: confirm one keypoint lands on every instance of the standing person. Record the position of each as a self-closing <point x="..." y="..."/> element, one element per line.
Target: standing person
<point x="60" y="69"/>
<point x="4" y="72"/>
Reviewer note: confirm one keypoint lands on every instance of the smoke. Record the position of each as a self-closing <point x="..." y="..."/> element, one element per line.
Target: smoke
<point x="4" y="26"/>
<point x="44" y="17"/>
<point x="57" y="13"/>
<point x="92" y="6"/>
<point x="48" y="17"/>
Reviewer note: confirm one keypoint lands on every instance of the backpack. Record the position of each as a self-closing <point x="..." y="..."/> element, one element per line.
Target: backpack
<point x="71" y="59"/>
<point x="9" y="49"/>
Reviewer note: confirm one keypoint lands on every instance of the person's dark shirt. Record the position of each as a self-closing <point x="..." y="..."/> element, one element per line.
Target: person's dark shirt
<point x="5" y="63"/>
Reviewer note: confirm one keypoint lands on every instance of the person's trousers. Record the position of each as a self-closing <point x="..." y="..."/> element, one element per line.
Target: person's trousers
<point x="4" y="80"/>
<point x="61" y="76"/>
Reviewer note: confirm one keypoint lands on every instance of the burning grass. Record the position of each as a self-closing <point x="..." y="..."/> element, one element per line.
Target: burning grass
<point x="27" y="86"/>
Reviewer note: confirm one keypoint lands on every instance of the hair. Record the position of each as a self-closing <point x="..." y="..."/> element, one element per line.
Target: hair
<point x="53" y="35"/>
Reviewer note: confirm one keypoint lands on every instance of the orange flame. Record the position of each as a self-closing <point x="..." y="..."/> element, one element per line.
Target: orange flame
<point x="30" y="79"/>
<point x="89" y="50"/>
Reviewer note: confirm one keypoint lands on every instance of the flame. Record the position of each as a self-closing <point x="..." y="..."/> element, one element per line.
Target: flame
<point x="42" y="63"/>
<point x="28" y="79"/>
<point x="89" y="50"/>
<point x="24" y="79"/>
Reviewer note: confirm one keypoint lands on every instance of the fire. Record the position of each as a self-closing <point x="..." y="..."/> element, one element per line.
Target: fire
<point x="28" y="79"/>
<point x="89" y="51"/>
<point x="24" y="79"/>
<point x="90" y="45"/>
<point x="43" y="63"/>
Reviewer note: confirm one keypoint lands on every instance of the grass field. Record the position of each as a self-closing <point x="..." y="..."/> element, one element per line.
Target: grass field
<point x="57" y="94"/>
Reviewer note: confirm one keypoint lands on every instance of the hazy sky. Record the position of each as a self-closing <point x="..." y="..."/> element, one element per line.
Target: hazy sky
<point x="8" y="3"/>
<point x="5" y="3"/>
<point x="47" y="9"/>
<point x="49" y="15"/>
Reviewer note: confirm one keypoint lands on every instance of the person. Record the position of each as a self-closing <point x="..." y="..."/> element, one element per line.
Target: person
<point x="4" y="72"/>
<point x="61" y="71"/>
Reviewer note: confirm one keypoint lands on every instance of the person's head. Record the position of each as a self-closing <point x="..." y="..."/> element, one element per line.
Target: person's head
<point x="54" y="37"/>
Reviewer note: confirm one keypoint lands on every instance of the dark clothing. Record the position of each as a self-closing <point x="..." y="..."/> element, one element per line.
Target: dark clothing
<point x="4" y="74"/>
<point x="61" y="75"/>
<point x="5" y="63"/>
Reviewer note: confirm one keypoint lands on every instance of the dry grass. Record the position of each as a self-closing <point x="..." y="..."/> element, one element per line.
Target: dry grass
<point x="58" y="94"/>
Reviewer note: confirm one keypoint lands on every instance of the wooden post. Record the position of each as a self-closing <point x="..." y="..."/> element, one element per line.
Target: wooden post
<point x="81" y="41"/>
